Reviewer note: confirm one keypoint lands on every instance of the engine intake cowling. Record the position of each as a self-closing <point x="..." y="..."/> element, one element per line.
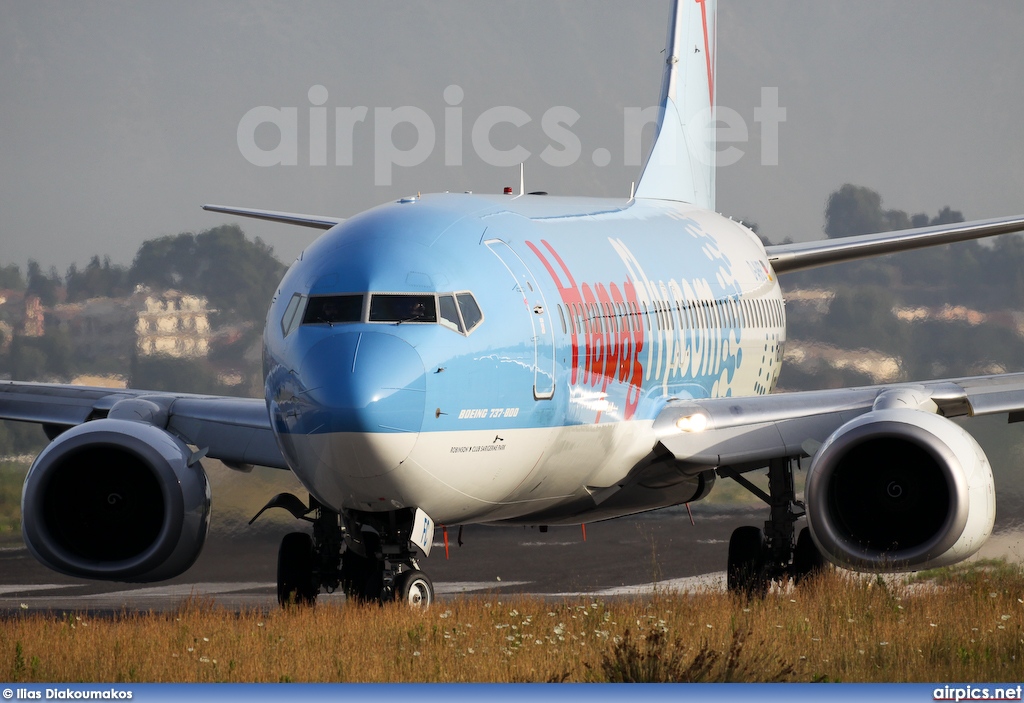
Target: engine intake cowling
<point x="900" y="490"/>
<point x="118" y="501"/>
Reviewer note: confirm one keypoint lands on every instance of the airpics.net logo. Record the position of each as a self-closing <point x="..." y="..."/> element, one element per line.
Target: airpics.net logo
<point x="563" y="146"/>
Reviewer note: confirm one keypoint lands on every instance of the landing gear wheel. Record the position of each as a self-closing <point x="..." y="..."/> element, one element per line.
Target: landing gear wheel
<point x="807" y="560"/>
<point x="746" y="572"/>
<point x="295" y="583"/>
<point x="414" y="588"/>
<point x="359" y="578"/>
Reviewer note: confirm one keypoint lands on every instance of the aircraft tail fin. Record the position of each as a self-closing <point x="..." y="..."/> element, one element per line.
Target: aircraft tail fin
<point x="681" y="165"/>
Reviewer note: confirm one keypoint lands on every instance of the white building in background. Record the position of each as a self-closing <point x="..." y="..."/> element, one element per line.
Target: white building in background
<point x="172" y="324"/>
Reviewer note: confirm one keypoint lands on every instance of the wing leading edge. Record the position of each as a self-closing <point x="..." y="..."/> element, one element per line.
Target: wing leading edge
<point x="235" y="430"/>
<point x="786" y="258"/>
<point x="746" y="433"/>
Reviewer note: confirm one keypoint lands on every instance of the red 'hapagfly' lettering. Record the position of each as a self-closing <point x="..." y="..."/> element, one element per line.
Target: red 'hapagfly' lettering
<point x="613" y="334"/>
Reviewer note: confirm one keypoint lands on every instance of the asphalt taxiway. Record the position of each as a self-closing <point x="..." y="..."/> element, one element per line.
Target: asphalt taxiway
<point x="238" y="569"/>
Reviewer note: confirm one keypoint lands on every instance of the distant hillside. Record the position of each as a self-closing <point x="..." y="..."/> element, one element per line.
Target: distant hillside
<point x="953" y="310"/>
<point x="186" y="315"/>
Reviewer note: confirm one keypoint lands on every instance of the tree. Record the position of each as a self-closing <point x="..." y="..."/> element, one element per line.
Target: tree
<point x="21" y="438"/>
<point x="47" y="286"/>
<point x="896" y="219"/>
<point x="237" y="276"/>
<point x="26" y="360"/>
<point x="947" y="216"/>
<point x="853" y="210"/>
<point x="97" y="280"/>
<point x="862" y="317"/>
<point x="39" y="358"/>
<point x="921" y="275"/>
<point x="10" y="278"/>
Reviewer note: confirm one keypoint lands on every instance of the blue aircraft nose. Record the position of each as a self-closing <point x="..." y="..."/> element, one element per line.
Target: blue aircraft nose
<point x="364" y="382"/>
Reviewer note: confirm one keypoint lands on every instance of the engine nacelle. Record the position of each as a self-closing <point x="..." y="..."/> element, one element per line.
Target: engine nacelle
<point x="900" y="490"/>
<point x="118" y="501"/>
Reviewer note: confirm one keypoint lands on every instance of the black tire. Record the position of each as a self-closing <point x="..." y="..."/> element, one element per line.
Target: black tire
<point x="746" y="572"/>
<point x="362" y="577"/>
<point x="414" y="588"/>
<point x="357" y="576"/>
<point x="295" y="581"/>
<point x="807" y="560"/>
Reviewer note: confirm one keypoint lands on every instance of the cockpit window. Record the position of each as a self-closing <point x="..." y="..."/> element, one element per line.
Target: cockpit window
<point x="403" y="308"/>
<point x="332" y="309"/>
<point x="449" y="313"/>
<point x="292" y="315"/>
<point x="458" y="312"/>
<point x="471" y="314"/>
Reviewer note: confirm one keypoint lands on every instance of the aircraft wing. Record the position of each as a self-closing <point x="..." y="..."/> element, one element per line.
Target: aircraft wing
<point x="235" y="430"/>
<point x="291" y="218"/>
<point x="745" y="433"/>
<point x="798" y="256"/>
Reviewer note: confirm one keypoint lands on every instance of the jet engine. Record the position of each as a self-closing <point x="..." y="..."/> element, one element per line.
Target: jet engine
<point x="116" y="500"/>
<point x="899" y="490"/>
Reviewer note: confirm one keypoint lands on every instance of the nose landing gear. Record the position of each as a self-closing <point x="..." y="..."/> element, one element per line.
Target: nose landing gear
<point x="368" y="555"/>
<point x="386" y="569"/>
<point x="415" y="588"/>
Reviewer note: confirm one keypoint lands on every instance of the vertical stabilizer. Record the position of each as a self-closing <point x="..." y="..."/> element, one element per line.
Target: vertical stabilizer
<point x="681" y="165"/>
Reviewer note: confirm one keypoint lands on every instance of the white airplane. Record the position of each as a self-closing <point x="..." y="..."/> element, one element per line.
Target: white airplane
<point x="520" y="359"/>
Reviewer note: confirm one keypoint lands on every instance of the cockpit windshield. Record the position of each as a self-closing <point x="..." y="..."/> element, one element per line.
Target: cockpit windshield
<point x="403" y="308"/>
<point x="457" y="311"/>
<point x="333" y="309"/>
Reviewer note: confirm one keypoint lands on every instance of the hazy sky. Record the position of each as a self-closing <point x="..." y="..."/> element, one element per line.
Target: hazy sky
<point x="119" y="119"/>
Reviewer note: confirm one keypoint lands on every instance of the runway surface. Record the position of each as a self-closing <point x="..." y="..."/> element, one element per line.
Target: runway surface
<point x="239" y="570"/>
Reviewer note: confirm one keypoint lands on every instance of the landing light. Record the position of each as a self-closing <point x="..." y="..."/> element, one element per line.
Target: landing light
<point x="697" y="422"/>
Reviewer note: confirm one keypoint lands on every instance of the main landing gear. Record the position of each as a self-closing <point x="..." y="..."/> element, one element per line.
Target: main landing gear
<point x="757" y="558"/>
<point x="367" y="555"/>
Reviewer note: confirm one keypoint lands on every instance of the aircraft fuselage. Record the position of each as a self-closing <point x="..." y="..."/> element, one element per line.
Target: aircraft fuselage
<point x="501" y="358"/>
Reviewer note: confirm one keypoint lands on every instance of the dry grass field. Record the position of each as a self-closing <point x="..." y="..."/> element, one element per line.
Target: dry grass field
<point x="953" y="625"/>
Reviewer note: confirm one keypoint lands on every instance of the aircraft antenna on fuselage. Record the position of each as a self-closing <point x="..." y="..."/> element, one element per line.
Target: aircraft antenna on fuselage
<point x="681" y="164"/>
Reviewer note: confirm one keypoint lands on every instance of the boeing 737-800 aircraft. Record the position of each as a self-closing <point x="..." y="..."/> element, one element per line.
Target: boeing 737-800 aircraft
<point x="525" y="359"/>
